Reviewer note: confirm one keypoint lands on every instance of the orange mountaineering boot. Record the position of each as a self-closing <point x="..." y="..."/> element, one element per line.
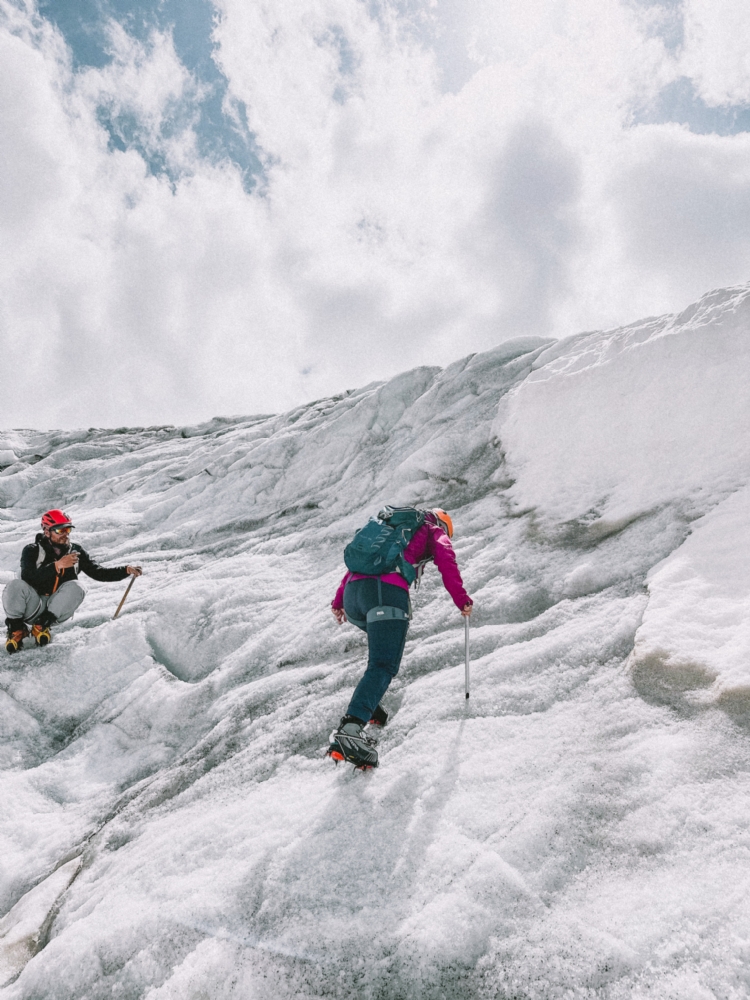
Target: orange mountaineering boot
<point x="17" y="632"/>
<point x="41" y="634"/>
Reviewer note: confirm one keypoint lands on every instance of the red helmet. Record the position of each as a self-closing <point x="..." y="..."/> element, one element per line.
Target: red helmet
<point x="444" y="520"/>
<point x="56" y="519"/>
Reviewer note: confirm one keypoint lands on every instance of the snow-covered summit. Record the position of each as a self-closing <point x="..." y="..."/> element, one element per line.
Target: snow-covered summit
<point x="170" y="827"/>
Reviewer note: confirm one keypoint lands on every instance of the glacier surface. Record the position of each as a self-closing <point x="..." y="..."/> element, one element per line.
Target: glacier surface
<point x="579" y="828"/>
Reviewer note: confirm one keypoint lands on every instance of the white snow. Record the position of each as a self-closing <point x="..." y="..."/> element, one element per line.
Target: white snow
<point x="22" y="929"/>
<point x="619" y="423"/>
<point x="697" y="623"/>
<point x="580" y="828"/>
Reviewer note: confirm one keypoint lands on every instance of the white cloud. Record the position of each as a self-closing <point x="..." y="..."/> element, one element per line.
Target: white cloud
<point x="438" y="177"/>
<point x="717" y="49"/>
<point x="683" y="209"/>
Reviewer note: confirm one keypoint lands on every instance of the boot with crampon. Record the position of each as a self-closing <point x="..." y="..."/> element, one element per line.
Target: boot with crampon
<point x="40" y="630"/>
<point x="349" y="743"/>
<point x="15" y="635"/>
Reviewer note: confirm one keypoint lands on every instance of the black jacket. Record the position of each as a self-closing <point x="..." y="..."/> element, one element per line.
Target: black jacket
<point x="43" y="576"/>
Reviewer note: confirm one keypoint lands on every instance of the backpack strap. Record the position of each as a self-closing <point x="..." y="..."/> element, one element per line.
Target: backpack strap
<point x="419" y="568"/>
<point x="406" y="569"/>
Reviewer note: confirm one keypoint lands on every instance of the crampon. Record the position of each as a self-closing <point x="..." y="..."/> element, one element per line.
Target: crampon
<point x="348" y="743"/>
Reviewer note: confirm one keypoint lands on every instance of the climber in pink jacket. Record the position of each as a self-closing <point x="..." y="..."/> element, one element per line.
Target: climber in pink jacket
<point x="356" y="595"/>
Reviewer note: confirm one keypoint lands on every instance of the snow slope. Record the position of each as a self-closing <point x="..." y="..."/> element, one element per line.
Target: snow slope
<point x="581" y="828"/>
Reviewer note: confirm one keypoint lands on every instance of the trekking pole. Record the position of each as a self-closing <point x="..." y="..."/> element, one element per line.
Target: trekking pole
<point x="124" y="596"/>
<point x="466" y="633"/>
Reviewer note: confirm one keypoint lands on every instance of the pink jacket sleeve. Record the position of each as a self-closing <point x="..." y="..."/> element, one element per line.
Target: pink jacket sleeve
<point x="445" y="560"/>
<point x="338" y="601"/>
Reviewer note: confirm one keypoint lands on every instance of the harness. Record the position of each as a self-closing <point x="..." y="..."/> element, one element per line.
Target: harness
<point x="381" y="613"/>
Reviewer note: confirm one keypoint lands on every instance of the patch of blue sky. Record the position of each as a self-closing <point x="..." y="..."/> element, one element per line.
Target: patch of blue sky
<point x="678" y="102"/>
<point x="349" y="61"/>
<point x="221" y="129"/>
<point x="667" y="21"/>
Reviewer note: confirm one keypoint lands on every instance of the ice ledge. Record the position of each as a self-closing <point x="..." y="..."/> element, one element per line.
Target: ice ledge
<point x="696" y="627"/>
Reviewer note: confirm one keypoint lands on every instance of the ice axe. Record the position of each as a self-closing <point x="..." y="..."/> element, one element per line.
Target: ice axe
<point x="466" y="635"/>
<point x="132" y="581"/>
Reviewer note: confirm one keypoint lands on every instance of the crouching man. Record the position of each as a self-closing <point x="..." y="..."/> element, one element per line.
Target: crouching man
<point x="48" y="591"/>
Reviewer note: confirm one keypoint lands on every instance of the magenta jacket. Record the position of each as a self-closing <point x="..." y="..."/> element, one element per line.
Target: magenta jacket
<point x="429" y="542"/>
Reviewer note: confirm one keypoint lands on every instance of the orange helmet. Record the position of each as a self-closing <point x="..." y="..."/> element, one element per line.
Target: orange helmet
<point x="444" y="520"/>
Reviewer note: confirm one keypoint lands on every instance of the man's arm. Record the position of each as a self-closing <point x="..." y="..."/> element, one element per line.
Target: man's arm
<point x="102" y="573"/>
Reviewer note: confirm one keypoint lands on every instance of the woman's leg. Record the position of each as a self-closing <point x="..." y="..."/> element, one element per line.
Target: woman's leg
<point x="385" y="642"/>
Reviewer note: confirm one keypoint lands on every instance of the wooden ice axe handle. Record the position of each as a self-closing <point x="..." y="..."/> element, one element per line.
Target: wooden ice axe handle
<point x="124" y="597"/>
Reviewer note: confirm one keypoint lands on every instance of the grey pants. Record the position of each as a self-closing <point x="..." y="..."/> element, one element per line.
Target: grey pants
<point x="20" y="600"/>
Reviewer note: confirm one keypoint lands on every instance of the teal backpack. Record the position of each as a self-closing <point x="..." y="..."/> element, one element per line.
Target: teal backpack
<point x="378" y="548"/>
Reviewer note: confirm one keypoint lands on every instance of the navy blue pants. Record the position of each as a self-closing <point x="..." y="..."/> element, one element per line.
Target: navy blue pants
<point x="385" y="642"/>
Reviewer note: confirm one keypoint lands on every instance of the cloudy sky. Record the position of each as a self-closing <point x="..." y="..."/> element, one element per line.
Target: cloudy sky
<point x="232" y="207"/>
